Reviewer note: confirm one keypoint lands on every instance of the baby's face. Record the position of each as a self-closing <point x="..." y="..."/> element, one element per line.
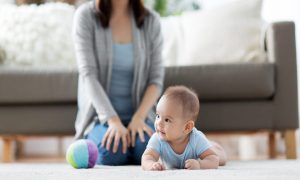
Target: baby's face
<point x="169" y="123"/>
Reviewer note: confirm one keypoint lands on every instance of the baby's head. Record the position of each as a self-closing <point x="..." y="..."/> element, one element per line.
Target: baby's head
<point x="177" y="111"/>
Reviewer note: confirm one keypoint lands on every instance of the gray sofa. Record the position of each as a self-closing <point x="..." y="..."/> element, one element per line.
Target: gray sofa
<point x="247" y="97"/>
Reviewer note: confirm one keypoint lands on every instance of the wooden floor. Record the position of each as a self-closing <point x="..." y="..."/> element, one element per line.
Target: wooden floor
<point x="41" y="159"/>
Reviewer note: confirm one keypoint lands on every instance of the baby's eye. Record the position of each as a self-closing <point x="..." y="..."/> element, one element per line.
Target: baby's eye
<point x="157" y="116"/>
<point x="167" y="120"/>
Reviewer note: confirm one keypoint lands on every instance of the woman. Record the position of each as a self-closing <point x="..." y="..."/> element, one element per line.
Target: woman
<point x="118" y="47"/>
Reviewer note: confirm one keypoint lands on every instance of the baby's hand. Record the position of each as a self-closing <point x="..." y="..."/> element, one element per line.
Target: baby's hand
<point x="192" y="164"/>
<point x="157" y="166"/>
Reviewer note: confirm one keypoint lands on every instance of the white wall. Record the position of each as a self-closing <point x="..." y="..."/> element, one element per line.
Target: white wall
<point x="281" y="10"/>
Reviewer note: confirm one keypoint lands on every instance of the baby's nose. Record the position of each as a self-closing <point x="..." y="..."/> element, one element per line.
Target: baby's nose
<point x="159" y="122"/>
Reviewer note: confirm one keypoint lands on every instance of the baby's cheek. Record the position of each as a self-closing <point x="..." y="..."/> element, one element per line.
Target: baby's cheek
<point x="155" y="124"/>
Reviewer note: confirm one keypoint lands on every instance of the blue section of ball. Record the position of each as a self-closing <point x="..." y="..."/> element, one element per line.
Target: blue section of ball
<point x="81" y="154"/>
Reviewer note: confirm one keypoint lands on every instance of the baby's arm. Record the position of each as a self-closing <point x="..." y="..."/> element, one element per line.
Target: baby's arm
<point x="150" y="161"/>
<point x="208" y="160"/>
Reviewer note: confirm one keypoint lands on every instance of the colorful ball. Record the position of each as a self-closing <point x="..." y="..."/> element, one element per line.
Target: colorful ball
<point x="82" y="154"/>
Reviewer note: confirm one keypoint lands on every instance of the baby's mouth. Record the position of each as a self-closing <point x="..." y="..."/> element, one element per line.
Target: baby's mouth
<point x="161" y="132"/>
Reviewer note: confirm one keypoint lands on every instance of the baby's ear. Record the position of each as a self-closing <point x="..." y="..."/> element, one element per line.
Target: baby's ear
<point x="189" y="126"/>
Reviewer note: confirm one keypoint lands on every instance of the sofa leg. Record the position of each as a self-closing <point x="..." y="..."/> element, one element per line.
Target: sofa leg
<point x="272" y="145"/>
<point x="8" y="155"/>
<point x="19" y="149"/>
<point x="290" y="143"/>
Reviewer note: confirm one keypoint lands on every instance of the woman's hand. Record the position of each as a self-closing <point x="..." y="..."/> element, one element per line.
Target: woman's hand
<point x="138" y="125"/>
<point x="116" y="131"/>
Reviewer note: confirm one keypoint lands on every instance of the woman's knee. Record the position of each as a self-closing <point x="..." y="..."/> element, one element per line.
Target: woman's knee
<point x="139" y="148"/>
<point x="108" y="157"/>
<point x="142" y="144"/>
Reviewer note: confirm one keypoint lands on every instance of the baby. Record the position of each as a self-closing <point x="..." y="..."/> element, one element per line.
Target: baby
<point x="176" y="141"/>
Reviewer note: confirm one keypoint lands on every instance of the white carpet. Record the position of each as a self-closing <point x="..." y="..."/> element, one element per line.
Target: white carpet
<point x="239" y="170"/>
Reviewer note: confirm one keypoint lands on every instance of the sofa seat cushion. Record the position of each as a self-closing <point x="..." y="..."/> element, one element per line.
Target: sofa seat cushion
<point x="226" y="81"/>
<point x="37" y="85"/>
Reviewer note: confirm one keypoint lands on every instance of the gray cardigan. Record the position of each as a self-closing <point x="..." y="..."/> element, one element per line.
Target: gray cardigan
<point x="93" y="47"/>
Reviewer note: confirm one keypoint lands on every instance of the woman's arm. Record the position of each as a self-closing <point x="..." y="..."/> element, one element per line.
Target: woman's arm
<point x="157" y="71"/>
<point x="156" y="75"/>
<point x="87" y="66"/>
<point x="137" y="124"/>
<point x="83" y="40"/>
<point x="155" y="82"/>
<point x="151" y="95"/>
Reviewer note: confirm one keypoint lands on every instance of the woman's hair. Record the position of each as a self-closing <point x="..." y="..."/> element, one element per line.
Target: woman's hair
<point x="104" y="10"/>
<point x="185" y="97"/>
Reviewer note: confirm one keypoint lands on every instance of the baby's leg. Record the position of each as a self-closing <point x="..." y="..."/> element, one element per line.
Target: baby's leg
<point x="220" y="152"/>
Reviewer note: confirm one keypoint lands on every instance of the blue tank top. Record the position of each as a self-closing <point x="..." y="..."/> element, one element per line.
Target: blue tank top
<point x="121" y="81"/>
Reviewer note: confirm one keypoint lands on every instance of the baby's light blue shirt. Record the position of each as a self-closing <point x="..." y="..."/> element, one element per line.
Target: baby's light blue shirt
<point x="198" y="143"/>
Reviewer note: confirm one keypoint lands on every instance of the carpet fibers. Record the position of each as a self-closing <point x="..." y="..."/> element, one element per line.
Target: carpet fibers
<point x="236" y="170"/>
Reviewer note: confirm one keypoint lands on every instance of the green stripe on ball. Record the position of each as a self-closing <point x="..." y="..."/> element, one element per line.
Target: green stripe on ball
<point x="70" y="155"/>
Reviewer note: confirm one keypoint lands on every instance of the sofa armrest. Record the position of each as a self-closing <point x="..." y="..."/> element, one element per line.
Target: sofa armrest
<point x="281" y="49"/>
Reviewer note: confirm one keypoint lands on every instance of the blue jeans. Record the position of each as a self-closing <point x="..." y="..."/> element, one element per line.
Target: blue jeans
<point x="107" y="157"/>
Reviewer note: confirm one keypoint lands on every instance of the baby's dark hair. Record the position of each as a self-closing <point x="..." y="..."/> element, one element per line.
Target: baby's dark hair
<point x="187" y="98"/>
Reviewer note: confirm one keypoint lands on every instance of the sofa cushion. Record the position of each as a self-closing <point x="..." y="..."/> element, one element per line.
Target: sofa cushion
<point x="211" y="82"/>
<point x="225" y="81"/>
<point x="37" y="85"/>
<point x="52" y="119"/>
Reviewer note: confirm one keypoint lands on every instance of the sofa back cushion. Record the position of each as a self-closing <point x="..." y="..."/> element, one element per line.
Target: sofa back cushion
<point x="241" y="81"/>
<point x="211" y="82"/>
